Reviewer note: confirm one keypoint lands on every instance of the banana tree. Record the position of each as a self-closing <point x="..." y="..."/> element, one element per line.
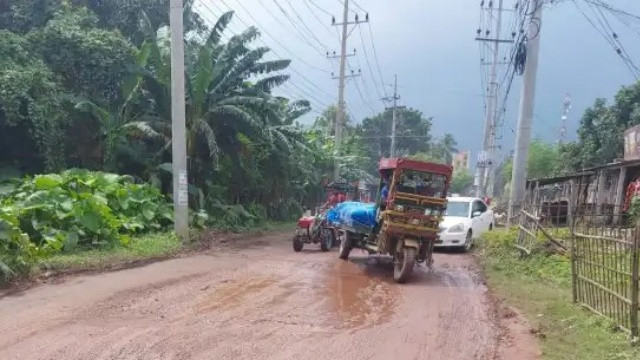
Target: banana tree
<point x="122" y="121"/>
<point x="227" y="93"/>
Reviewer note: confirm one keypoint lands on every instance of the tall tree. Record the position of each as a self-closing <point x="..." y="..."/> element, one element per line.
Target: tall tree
<point x="413" y="133"/>
<point x="544" y="161"/>
<point x="601" y="130"/>
<point x="31" y="114"/>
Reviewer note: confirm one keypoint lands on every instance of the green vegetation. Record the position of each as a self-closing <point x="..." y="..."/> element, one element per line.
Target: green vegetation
<point x="46" y="214"/>
<point x="141" y="248"/>
<point x="461" y="181"/>
<point x="601" y="129"/>
<point x="540" y="287"/>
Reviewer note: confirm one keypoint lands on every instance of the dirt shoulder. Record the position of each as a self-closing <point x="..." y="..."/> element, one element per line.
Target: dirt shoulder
<point x="142" y="251"/>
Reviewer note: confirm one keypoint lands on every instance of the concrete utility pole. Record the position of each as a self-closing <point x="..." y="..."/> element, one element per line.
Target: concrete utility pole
<point x="341" y="85"/>
<point x="178" y="131"/>
<point x="342" y="80"/>
<point x="486" y="163"/>
<point x="394" y="120"/>
<point x="525" y="118"/>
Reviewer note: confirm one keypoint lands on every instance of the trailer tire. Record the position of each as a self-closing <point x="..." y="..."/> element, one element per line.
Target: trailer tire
<point x="403" y="264"/>
<point x="345" y="246"/>
<point x="326" y="239"/>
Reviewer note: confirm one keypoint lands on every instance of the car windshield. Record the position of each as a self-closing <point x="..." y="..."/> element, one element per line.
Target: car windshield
<point x="421" y="183"/>
<point x="457" y="208"/>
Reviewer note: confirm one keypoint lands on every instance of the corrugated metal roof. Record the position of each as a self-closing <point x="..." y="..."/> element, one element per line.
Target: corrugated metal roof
<point x="585" y="172"/>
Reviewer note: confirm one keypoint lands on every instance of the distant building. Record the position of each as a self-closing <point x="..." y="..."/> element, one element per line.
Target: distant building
<point x="461" y="160"/>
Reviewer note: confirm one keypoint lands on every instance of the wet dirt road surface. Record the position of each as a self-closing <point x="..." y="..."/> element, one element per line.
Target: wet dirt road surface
<point x="260" y="300"/>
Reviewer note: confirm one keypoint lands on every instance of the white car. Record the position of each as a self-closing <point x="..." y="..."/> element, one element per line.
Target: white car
<point x="465" y="220"/>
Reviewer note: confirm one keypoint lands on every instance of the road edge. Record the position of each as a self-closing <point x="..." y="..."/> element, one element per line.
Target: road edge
<point x="203" y="243"/>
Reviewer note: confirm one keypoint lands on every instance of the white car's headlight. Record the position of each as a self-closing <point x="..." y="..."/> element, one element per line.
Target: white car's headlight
<point x="457" y="228"/>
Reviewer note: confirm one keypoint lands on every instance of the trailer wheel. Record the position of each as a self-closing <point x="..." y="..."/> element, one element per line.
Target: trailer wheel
<point x="403" y="263"/>
<point x="345" y="246"/>
<point x="326" y="239"/>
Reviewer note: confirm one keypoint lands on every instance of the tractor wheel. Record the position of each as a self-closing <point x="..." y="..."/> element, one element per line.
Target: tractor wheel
<point x="297" y="244"/>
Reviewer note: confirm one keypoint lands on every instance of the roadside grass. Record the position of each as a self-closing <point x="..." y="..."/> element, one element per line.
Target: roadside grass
<point x="540" y="288"/>
<point x="142" y="248"/>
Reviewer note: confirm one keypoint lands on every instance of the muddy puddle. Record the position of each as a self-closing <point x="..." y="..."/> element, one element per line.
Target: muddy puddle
<point x="233" y="293"/>
<point x="358" y="298"/>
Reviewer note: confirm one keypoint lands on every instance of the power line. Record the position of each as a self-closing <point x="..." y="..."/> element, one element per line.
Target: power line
<point x="275" y="39"/>
<point x="289" y="51"/>
<point x="319" y="7"/>
<point x="609" y="38"/>
<point x="296" y="31"/>
<point x="358" y="6"/>
<point x="305" y="93"/>
<point x="612" y="9"/>
<point x="366" y="55"/>
<point x="315" y="15"/>
<point x="304" y="24"/>
<point x="364" y="102"/>
<point x="291" y="68"/>
<point x="293" y="23"/>
<point x="375" y="54"/>
<point x="614" y="35"/>
<point x="364" y="82"/>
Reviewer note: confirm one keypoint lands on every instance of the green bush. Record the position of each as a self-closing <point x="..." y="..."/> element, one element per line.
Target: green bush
<point x="286" y="210"/>
<point x="16" y="251"/>
<point x="79" y="207"/>
<point x="231" y="217"/>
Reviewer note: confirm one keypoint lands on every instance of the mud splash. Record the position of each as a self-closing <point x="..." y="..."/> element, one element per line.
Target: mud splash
<point x="359" y="299"/>
<point x="233" y="293"/>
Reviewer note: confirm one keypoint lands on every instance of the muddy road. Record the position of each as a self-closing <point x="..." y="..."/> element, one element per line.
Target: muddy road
<point x="261" y="300"/>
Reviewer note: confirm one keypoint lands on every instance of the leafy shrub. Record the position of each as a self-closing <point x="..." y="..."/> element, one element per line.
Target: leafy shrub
<point x="286" y="210"/>
<point x="257" y="210"/>
<point x="79" y="207"/>
<point x="16" y="251"/>
<point x="230" y="217"/>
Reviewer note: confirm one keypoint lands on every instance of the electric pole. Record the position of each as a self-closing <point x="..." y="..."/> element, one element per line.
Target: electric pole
<point x="566" y="107"/>
<point x="486" y="161"/>
<point x="178" y="132"/>
<point x="525" y="117"/>
<point x="342" y="80"/>
<point x="394" y="119"/>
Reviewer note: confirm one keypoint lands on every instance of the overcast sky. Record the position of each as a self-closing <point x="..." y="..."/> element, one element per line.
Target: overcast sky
<point x="430" y="45"/>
